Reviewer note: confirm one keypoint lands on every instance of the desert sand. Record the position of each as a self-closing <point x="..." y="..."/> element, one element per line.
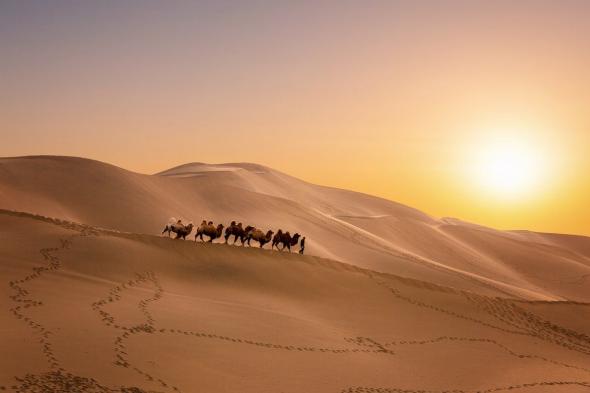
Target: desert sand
<point x="386" y="299"/>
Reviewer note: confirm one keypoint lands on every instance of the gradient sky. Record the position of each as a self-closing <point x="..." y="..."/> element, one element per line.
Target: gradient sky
<point x="395" y="98"/>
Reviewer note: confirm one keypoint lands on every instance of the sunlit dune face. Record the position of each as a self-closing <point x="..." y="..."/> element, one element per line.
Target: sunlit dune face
<point x="509" y="168"/>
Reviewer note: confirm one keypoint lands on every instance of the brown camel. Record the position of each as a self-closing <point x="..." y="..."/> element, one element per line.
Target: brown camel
<point x="245" y="233"/>
<point x="276" y="239"/>
<point x="285" y="239"/>
<point x="260" y="237"/>
<point x="231" y="229"/>
<point x="181" y="230"/>
<point x="237" y="231"/>
<point x="209" y="230"/>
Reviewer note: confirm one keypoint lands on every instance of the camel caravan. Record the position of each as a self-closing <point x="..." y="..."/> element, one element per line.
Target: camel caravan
<point x="245" y="235"/>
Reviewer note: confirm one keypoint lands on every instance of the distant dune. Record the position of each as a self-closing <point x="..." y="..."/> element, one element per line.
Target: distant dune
<point x="351" y="227"/>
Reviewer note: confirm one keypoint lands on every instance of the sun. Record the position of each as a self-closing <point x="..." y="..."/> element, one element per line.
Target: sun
<point x="508" y="167"/>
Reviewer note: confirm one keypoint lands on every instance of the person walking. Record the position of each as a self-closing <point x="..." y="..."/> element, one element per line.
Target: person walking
<point x="302" y="249"/>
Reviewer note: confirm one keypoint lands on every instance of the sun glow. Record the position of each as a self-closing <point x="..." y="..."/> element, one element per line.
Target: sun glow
<point x="509" y="167"/>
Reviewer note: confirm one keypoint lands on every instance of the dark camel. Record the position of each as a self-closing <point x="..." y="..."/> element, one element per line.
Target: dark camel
<point x="238" y="232"/>
<point x="285" y="239"/>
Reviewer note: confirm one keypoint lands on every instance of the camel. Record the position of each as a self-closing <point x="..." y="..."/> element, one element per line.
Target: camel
<point x="276" y="239"/>
<point x="259" y="236"/>
<point x="209" y="230"/>
<point x="230" y="229"/>
<point x="285" y="239"/>
<point x="181" y="230"/>
<point x="237" y="232"/>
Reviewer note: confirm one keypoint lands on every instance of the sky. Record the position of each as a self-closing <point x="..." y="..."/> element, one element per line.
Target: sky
<point x="471" y="109"/>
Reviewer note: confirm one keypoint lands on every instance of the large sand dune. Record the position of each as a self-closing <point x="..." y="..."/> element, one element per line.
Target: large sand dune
<point x="92" y="310"/>
<point x="390" y="299"/>
<point x="355" y="228"/>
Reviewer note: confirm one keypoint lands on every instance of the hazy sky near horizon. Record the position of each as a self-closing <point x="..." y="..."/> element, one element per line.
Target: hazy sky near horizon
<point x="401" y="99"/>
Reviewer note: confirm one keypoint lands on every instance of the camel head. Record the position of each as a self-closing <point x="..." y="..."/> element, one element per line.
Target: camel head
<point x="269" y="235"/>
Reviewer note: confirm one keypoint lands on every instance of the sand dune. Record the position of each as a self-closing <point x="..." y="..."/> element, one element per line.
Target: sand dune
<point x="94" y="310"/>
<point x="351" y="227"/>
<point x="390" y="299"/>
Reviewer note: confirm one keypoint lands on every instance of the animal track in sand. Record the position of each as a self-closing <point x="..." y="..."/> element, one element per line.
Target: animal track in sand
<point x="21" y="297"/>
<point x="534" y="327"/>
<point x="367" y="345"/>
<point x="513" y="320"/>
<point x="361" y="389"/>
<point x="63" y="382"/>
<point x="505" y="311"/>
<point x="509" y="313"/>
<point x="58" y="380"/>
<point x="114" y="295"/>
<point x="486" y="341"/>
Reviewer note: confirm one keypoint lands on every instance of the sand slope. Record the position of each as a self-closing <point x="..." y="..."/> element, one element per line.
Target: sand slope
<point x="342" y="225"/>
<point x="95" y="310"/>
